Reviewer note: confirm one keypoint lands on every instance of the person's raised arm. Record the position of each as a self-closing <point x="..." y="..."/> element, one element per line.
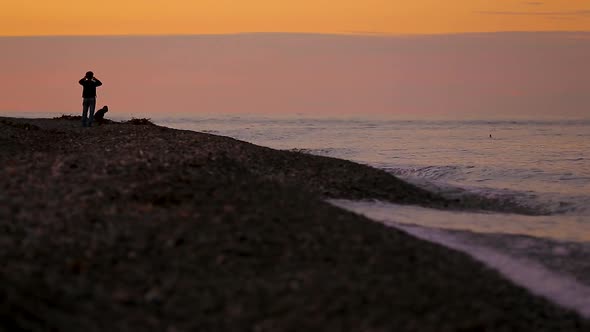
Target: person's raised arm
<point x="97" y="82"/>
<point x="82" y="81"/>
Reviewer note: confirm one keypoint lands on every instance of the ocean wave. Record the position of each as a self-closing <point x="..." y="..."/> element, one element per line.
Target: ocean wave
<point x="545" y="254"/>
<point x="326" y="152"/>
<point x="429" y="172"/>
<point x="444" y="180"/>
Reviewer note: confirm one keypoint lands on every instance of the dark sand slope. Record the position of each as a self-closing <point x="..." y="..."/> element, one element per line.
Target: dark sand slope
<point x="142" y="228"/>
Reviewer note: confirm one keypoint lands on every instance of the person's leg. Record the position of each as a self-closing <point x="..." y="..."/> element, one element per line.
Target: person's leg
<point x="85" y="106"/>
<point x="92" y="107"/>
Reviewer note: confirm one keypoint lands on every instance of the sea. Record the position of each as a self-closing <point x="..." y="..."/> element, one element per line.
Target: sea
<point x="543" y="164"/>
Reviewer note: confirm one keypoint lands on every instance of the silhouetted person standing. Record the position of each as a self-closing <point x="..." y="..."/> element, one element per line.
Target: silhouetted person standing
<point x="89" y="82"/>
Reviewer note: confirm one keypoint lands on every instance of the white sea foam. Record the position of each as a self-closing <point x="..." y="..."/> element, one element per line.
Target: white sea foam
<point x="572" y="228"/>
<point x="561" y="288"/>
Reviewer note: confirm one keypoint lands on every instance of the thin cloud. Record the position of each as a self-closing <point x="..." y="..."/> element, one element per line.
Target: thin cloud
<point x="571" y="14"/>
<point x="579" y="36"/>
<point x="362" y="32"/>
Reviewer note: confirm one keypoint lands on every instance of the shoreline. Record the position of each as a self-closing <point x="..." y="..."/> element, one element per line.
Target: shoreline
<point x="136" y="226"/>
<point x="546" y="272"/>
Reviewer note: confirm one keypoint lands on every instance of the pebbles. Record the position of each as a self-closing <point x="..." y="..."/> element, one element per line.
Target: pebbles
<point x="157" y="229"/>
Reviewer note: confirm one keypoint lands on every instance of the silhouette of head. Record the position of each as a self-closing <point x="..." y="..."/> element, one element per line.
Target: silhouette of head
<point x="105" y="108"/>
<point x="89" y="74"/>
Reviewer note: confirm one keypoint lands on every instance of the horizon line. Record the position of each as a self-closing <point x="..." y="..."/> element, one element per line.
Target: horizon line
<point x="344" y="33"/>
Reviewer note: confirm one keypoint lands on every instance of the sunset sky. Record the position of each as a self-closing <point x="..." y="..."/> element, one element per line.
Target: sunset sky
<point x="410" y="58"/>
<point x="107" y="17"/>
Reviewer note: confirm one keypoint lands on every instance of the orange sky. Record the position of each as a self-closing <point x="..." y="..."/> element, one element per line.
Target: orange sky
<point x="108" y="17"/>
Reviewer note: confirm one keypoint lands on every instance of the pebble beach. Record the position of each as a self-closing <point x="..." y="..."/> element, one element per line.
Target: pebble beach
<point x="130" y="226"/>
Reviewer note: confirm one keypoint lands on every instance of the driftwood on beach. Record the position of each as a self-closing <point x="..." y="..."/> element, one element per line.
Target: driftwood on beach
<point x="137" y="227"/>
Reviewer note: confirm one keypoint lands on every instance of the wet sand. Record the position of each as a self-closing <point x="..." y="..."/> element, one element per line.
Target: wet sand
<point x="135" y="227"/>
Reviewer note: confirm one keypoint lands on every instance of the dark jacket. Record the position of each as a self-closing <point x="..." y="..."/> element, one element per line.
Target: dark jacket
<point x="89" y="87"/>
<point x="100" y="114"/>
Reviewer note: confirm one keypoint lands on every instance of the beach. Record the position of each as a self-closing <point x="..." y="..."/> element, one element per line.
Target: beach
<point x="132" y="226"/>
